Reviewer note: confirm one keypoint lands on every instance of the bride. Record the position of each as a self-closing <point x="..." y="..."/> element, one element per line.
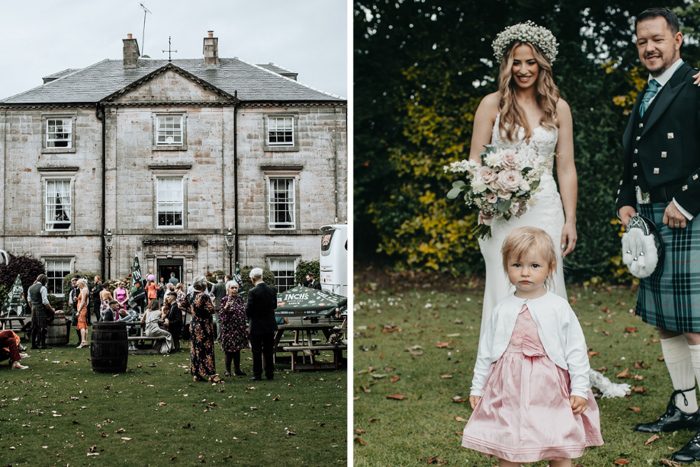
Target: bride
<point x="527" y="115"/>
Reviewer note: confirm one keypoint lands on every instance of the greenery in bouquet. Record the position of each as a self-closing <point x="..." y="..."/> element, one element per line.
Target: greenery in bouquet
<point x="501" y="185"/>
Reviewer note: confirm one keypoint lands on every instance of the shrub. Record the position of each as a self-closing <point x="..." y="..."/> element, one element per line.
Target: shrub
<point x="268" y="277"/>
<point x="307" y="267"/>
<point x="26" y="266"/>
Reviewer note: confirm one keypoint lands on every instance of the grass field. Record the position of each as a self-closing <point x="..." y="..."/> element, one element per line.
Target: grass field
<point x="421" y="344"/>
<point x="61" y="413"/>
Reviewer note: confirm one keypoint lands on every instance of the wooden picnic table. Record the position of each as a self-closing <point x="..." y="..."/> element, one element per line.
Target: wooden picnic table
<point x="6" y="322"/>
<point x="310" y="346"/>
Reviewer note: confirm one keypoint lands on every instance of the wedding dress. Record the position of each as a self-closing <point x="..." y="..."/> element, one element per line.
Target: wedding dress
<point x="545" y="212"/>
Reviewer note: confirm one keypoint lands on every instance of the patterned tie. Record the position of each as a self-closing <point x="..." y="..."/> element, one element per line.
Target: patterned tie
<point x="648" y="95"/>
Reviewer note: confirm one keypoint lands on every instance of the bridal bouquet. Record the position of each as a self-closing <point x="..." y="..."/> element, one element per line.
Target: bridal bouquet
<point x="502" y="185"/>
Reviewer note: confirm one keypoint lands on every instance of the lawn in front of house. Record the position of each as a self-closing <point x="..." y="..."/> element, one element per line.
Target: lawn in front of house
<point x="59" y="412"/>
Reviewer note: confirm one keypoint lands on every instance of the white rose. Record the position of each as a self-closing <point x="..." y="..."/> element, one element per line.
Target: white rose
<point x="524" y="185"/>
<point x="478" y="185"/>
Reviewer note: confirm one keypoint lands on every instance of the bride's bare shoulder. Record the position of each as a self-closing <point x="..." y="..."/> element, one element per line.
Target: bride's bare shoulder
<point x="489" y="106"/>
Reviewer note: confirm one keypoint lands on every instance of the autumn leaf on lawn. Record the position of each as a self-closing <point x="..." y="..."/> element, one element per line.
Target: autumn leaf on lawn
<point x="372" y="420"/>
<point x="359" y="432"/>
<point x="359" y="441"/>
<point x="651" y="440"/>
<point x="602" y="369"/>
<point x="592" y="354"/>
<point x="638" y="365"/>
<point x="661" y="359"/>
<point x="93" y="448"/>
<point x="398" y="397"/>
<point x="669" y="463"/>
<point x="622" y="462"/>
<point x="460" y="419"/>
<point x="638" y="389"/>
<point x="459" y="399"/>
<point x="435" y="460"/>
<point x="162" y="403"/>
<point x="442" y="345"/>
<point x="655" y="341"/>
<point x="416" y="353"/>
<point x="634" y="409"/>
<point x="630" y="329"/>
<point x="624" y="374"/>
<point x="609" y="321"/>
<point x="445" y="376"/>
<point x="394" y="379"/>
<point x="122" y="430"/>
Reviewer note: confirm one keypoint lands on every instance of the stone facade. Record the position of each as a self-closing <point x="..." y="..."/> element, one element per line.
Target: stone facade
<point x="225" y="144"/>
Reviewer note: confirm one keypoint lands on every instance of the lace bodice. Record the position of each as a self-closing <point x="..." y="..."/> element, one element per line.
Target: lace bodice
<point x="542" y="143"/>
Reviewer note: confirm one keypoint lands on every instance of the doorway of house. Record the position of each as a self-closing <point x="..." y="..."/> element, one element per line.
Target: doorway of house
<point x="166" y="266"/>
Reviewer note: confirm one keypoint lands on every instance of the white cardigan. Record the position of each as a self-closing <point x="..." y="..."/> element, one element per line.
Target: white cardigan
<point x="557" y="327"/>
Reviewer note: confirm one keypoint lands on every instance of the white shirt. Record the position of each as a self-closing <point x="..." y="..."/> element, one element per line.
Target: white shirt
<point x="558" y="329"/>
<point x="662" y="79"/>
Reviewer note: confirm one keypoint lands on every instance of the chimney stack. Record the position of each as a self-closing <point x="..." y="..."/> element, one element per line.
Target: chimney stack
<point x="131" y="52"/>
<point x="211" y="50"/>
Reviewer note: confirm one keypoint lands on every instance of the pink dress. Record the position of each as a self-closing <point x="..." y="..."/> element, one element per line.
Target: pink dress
<point x="524" y="414"/>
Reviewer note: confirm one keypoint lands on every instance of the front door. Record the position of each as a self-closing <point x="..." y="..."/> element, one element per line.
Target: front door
<point x="166" y="266"/>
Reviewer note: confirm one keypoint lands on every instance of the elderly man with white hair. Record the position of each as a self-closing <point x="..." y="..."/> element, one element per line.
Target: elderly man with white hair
<point x="260" y="309"/>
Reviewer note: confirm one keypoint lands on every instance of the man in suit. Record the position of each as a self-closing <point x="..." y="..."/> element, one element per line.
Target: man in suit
<point x="313" y="283"/>
<point x="260" y="309"/>
<point x="661" y="181"/>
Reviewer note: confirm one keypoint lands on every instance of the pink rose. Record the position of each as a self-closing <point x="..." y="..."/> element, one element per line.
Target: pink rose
<point x="487" y="174"/>
<point x="510" y="161"/>
<point x="491" y="198"/>
<point x="509" y="181"/>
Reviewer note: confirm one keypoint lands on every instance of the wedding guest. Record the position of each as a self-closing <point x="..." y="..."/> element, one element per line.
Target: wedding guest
<point x="161" y="290"/>
<point x="83" y="299"/>
<point x="96" y="302"/>
<point x="173" y="280"/>
<point x="234" y="331"/>
<point x="38" y="300"/>
<point x="202" y="362"/>
<point x="121" y="295"/>
<point x="73" y="304"/>
<point x="151" y="317"/>
<point x="173" y="318"/>
<point x="105" y="298"/>
<point x="260" y="309"/>
<point x="8" y="340"/>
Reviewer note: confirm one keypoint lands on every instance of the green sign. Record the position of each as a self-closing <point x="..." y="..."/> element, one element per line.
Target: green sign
<point x="304" y="301"/>
<point x="15" y="299"/>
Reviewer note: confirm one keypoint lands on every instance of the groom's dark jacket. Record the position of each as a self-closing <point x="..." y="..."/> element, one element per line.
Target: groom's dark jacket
<point x="662" y="149"/>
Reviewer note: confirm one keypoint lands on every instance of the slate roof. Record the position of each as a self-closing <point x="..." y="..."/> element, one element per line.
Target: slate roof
<point x="92" y="84"/>
<point x="60" y="74"/>
<point x="277" y="69"/>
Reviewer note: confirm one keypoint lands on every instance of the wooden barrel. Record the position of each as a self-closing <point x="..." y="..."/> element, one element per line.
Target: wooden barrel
<point x="58" y="331"/>
<point x="109" y="347"/>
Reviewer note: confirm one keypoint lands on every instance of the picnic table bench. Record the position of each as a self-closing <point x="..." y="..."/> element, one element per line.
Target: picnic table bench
<point x="312" y="346"/>
<point x="143" y="338"/>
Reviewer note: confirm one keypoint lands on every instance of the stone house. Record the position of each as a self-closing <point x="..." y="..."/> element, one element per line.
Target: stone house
<point x="168" y="157"/>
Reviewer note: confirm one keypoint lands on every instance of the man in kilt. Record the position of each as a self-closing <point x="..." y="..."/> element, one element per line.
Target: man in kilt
<point x="661" y="181"/>
<point x="39" y="305"/>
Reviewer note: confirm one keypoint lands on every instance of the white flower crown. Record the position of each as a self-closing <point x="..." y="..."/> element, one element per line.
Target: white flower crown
<point x="526" y="32"/>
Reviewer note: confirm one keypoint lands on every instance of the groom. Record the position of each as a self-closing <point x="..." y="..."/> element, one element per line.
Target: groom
<point x="661" y="181"/>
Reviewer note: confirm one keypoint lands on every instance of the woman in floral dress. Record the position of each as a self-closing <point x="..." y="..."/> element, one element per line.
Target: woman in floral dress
<point x="202" y="363"/>
<point x="234" y="331"/>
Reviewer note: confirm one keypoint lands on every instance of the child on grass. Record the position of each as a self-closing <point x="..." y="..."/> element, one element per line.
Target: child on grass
<point x="530" y="390"/>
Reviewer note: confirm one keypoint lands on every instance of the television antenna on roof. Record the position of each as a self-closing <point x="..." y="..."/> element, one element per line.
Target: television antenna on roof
<point x="143" y="34"/>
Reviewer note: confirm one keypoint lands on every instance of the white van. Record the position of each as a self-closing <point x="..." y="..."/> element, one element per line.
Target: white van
<point x="334" y="259"/>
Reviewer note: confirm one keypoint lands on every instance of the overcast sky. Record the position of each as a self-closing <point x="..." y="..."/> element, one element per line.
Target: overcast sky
<point x="41" y="37"/>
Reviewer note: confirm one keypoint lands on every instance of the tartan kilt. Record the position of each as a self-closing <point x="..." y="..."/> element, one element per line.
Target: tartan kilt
<point x="670" y="297"/>
<point x="39" y="316"/>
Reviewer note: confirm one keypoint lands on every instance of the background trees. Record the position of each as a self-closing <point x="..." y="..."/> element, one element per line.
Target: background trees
<point x="420" y="71"/>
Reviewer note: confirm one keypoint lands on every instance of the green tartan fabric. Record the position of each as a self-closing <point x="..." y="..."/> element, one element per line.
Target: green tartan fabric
<point x="39" y="319"/>
<point x="670" y="297"/>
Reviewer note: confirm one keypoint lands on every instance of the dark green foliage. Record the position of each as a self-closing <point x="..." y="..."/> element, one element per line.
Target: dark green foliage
<point x="268" y="277"/>
<point x="26" y="266"/>
<point x="55" y="302"/>
<point x="415" y="67"/>
<point x="307" y="267"/>
<point x="90" y="276"/>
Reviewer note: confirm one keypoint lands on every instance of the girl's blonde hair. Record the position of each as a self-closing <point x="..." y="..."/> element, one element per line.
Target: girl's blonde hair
<point x="523" y="240"/>
<point x="546" y="93"/>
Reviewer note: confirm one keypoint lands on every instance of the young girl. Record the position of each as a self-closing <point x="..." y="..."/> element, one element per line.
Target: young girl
<point x="530" y="389"/>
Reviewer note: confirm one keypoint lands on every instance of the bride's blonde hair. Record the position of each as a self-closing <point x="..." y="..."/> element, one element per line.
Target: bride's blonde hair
<point x="546" y="93"/>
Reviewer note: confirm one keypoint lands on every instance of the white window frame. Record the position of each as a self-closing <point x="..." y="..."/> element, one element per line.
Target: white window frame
<point x="273" y="125"/>
<point x="68" y="121"/>
<point x="50" y="272"/>
<point x="273" y="203"/>
<point x="158" y="131"/>
<point x="49" y="226"/>
<point x="160" y="203"/>
<point x="287" y="259"/>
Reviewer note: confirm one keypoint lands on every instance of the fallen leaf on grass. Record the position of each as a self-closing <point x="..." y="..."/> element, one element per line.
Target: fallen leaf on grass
<point x="592" y="354"/>
<point x="290" y="433"/>
<point x="638" y="365"/>
<point x="126" y="439"/>
<point x="610" y="321"/>
<point x="93" y="448"/>
<point x="398" y="397"/>
<point x="435" y="460"/>
<point x="624" y="374"/>
<point x="661" y="359"/>
<point x="634" y="409"/>
<point x="622" y="462"/>
<point x="359" y="441"/>
<point x="372" y="420"/>
<point x="602" y="369"/>
<point x="359" y="432"/>
<point x="93" y="453"/>
<point x="669" y="463"/>
<point x="389" y="368"/>
<point x="76" y="422"/>
<point x="630" y="329"/>
<point x="122" y="430"/>
<point x="394" y="379"/>
<point x="446" y="376"/>
<point x="378" y="376"/>
<point x="161" y="404"/>
<point x="651" y="440"/>
<point x="442" y="345"/>
<point x="459" y="399"/>
<point x="460" y="419"/>
<point x="639" y="389"/>
<point x="655" y="341"/>
<point x="365" y="389"/>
